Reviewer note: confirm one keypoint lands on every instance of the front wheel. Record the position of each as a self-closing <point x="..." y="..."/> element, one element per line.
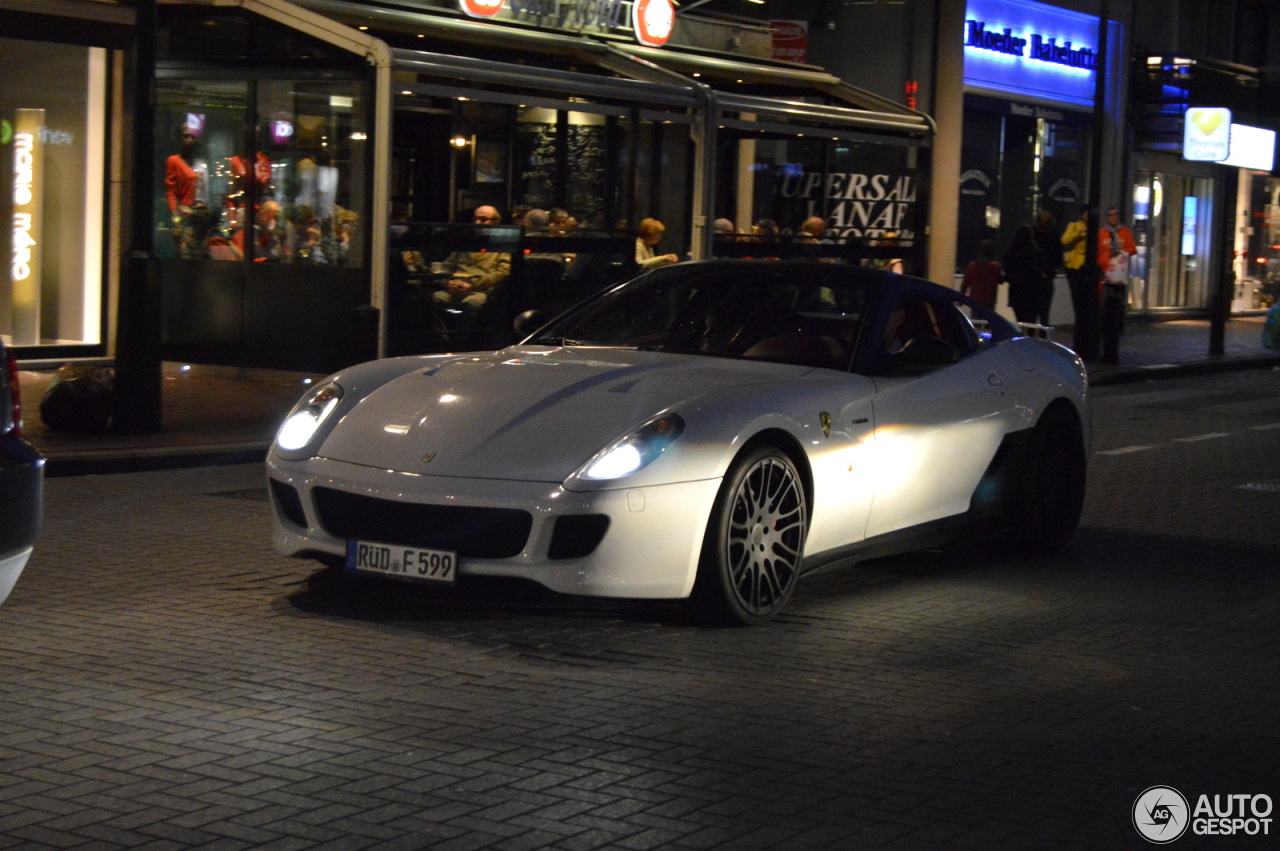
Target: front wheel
<point x="754" y="540"/>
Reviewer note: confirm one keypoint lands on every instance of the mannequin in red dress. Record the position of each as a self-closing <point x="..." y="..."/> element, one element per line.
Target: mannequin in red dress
<point x="184" y="189"/>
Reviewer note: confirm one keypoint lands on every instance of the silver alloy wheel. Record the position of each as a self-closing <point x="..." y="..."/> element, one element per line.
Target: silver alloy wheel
<point x="765" y="535"/>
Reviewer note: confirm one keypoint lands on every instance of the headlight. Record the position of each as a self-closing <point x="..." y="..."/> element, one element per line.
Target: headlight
<point x="634" y="451"/>
<point x="307" y="416"/>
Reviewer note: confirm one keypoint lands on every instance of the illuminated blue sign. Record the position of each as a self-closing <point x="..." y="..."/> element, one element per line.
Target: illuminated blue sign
<point x="1030" y="49"/>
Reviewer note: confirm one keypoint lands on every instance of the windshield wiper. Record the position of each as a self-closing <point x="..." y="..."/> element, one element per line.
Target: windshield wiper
<point x="556" y="341"/>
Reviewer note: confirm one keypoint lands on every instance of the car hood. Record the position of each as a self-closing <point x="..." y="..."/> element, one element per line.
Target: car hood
<point x="525" y="413"/>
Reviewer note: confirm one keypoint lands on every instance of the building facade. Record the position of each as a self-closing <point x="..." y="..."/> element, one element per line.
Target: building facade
<point x="296" y="142"/>
<point x="1012" y="85"/>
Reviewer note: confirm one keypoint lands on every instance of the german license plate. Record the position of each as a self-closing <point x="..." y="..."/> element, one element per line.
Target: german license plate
<point x="396" y="560"/>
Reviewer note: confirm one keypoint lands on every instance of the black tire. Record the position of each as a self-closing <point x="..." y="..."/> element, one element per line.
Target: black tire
<point x="754" y="541"/>
<point x="1051" y="492"/>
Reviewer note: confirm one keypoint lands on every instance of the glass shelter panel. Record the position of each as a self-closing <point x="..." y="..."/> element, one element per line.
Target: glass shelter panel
<point x="267" y="172"/>
<point x="201" y="130"/>
<point x="866" y="194"/>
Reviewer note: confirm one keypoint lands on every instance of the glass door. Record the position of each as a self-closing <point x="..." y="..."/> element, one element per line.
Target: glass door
<point x="1172" y="225"/>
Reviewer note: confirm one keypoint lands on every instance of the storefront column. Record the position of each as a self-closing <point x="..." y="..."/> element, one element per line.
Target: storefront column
<point x="948" y="112"/>
<point x="380" y="207"/>
<point x="138" y="404"/>
<point x="1220" y="299"/>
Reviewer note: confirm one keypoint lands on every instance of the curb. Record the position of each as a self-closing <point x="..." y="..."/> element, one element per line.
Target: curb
<point x="1106" y="375"/>
<point x="110" y="461"/>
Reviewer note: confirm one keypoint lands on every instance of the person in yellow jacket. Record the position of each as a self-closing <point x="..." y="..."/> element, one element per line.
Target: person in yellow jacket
<point x="1074" y="240"/>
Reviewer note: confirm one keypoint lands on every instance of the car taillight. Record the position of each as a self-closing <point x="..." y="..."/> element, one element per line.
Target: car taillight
<point x="15" y="393"/>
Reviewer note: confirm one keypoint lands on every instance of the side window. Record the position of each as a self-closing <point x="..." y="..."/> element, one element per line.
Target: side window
<point x="913" y="316"/>
<point x="924" y="333"/>
<point x="920" y="316"/>
<point x="955" y="327"/>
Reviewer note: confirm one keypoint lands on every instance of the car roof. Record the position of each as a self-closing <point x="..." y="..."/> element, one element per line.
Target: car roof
<point x="887" y="286"/>
<point x="884" y="282"/>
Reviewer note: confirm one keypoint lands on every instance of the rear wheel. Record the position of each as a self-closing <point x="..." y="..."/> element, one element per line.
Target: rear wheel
<point x="1053" y="483"/>
<point x="754" y="540"/>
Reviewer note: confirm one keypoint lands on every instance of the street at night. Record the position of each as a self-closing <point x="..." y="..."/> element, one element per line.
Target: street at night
<point x="168" y="681"/>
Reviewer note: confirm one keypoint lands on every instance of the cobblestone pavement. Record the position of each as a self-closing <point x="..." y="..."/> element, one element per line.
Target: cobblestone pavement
<point x="167" y="681"/>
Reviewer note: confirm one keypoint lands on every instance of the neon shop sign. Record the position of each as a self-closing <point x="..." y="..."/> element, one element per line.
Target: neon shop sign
<point x="1031" y="50"/>
<point x="1034" y="46"/>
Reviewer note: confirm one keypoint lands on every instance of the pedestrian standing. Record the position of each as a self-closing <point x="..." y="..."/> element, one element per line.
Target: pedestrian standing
<point x="1047" y="241"/>
<point x="1115" y="247"/>
<point x="1024" y="270"/>
<point x="1084" y="292"/>
<point x="983" y="277"/>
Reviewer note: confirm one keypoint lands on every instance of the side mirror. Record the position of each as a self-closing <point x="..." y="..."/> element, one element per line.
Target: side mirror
<point x="528" y="322"/>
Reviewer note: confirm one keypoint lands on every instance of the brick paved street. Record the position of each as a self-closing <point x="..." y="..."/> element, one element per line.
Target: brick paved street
<point x="167" y="681"/>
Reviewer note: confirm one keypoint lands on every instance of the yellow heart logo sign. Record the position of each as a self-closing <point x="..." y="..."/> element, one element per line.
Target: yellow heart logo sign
<point x="1206" y="121"/>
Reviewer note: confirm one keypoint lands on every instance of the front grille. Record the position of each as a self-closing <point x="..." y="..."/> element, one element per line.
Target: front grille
<point x="470" y="532"/>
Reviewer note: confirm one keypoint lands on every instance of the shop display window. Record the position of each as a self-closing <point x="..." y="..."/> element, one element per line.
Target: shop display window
<point x="52" y="192"/>
<point x="265" y="172"/>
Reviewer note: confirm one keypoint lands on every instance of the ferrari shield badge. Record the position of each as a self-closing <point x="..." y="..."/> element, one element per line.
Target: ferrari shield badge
<point x="826" y="423"/>
<point x="426" y="459"/>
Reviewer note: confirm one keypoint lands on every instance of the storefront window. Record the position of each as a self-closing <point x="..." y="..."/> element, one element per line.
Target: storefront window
<point x="265" y="172"/>
<point x="1016" y="164"/>
<point x="53" y="141"/>
<point x="1258" y="268"/>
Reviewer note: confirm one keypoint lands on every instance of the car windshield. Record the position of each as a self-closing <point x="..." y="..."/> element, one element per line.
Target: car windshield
<point x="805" y="315"/>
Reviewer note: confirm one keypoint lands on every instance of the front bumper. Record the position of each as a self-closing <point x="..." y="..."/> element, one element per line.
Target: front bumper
<point x="649" y="548"/>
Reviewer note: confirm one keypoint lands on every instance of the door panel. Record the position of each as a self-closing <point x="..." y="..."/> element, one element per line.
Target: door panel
<point x="935" y="435"/>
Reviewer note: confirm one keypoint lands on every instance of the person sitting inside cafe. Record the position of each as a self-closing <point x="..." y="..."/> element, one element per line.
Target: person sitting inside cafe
<point x="470" y="277"/>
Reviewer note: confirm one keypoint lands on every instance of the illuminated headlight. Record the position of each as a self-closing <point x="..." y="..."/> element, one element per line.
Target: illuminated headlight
<point x="307" y="416"/>
<point x="634" y="451"/>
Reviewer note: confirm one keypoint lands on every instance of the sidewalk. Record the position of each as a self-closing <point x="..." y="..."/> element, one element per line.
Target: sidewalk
<point x="210" y="415"/>
<point x="222" y="415"/>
